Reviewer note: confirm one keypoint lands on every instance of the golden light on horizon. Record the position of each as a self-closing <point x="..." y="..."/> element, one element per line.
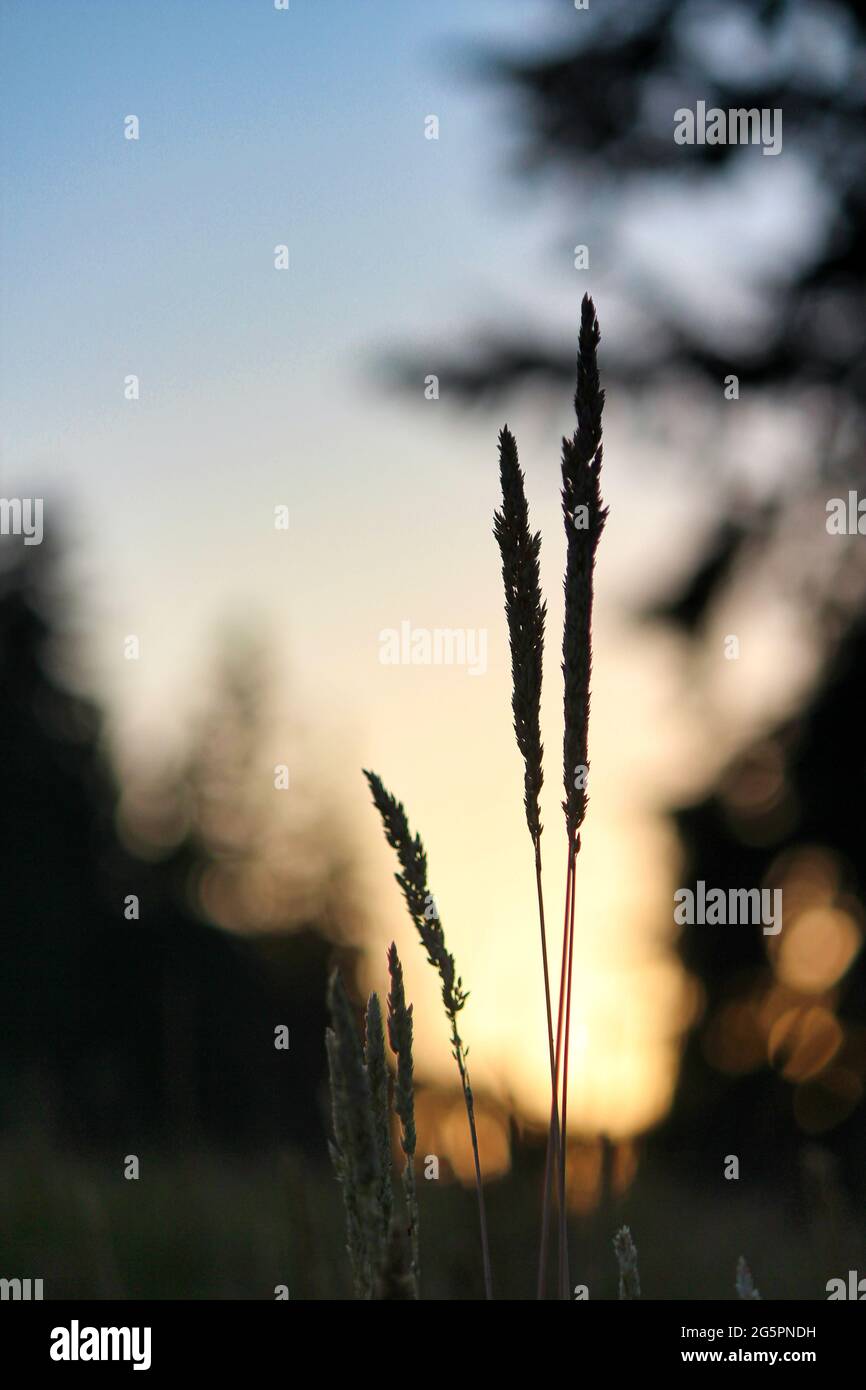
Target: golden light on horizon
<point x="631" y="1000"/>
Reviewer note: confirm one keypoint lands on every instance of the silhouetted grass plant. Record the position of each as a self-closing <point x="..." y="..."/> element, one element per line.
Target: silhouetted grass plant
<point x="377" y="1075"/>
<point x="382" y="1265"/>
<point x="354" y="1151"/>
<point x="425" y="916"/>
<point x="357" y="1083"/>
<point x="526" y="614"/>
<point x="584" y="517"/>
<point x="626" y="1258"/>
<point x="745" y="1284"/>
<point x="400" y="1037"/>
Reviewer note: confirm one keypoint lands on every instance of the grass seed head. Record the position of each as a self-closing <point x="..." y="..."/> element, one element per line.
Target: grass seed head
<point x="525" y="612"/>
<point x="584" y="516"/>
<point x="744" y="1281"/>
<point x="626" y="1256"/>
<point x="419" y="900"/>
<point x="400" y="1037"/>
<point x="377" y="1076"/>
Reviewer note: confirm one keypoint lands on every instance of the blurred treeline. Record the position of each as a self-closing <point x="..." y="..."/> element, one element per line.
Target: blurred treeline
<point x="130" y="1023"/>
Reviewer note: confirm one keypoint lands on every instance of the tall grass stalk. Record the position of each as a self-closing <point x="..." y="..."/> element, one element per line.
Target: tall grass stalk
<point x="423" y="912"/>
<point x="744" y="1282"/>
<point x="526" y="614"/>
<point x="377" y="1076"/>
<point x="400" y="1030"/>
<point x="382" y="1265"/>
<point x="626" y="1257"/>
<point x="584" y="517"/>
<point x="354" y="1151"/>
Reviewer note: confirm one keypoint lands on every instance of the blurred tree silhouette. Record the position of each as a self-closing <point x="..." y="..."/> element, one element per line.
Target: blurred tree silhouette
<point x="598" y="108"/>
<point x="780" y="1053"/>
<point x="119" y="1033"/>
<point x="595" y="114"/>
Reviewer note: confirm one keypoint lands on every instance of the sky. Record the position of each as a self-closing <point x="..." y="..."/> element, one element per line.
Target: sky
<point x="258" y="388"/>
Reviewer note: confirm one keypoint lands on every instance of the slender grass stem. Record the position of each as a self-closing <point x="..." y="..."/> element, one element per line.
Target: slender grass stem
<point x="545" y="1209"/>
<point x="552" y="1149"/>
<point x="526" y="613"/>
<point x="584" y="516"/>
<point x="546" y="970"/>
<point x="564" y="1281"/>
<point x="557" y="1140"/>
<point x="479" y="1185"/>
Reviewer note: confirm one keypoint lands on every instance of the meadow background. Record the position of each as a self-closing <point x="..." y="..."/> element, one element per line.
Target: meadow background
<point x="305" y="388"/>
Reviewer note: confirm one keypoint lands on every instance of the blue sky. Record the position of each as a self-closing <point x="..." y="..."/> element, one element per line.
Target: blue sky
<point x="257" y="127"/>
<point x="155" y="258"/>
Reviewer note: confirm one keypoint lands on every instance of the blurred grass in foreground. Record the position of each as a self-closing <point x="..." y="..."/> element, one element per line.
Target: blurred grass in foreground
<point x="205" y="1227"/>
